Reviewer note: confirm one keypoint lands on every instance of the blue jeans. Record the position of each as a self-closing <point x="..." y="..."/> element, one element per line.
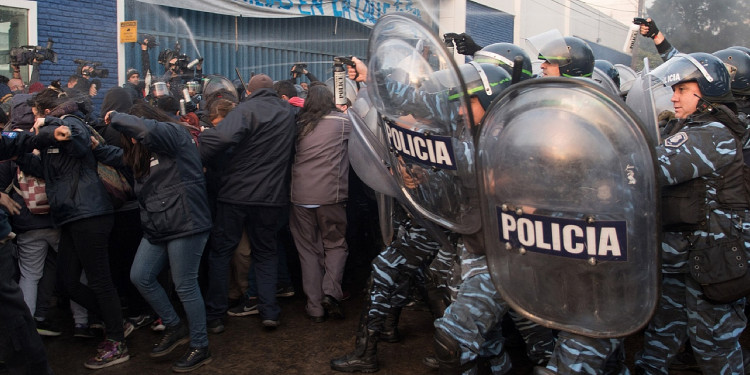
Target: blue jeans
<point x="184" y="255"/>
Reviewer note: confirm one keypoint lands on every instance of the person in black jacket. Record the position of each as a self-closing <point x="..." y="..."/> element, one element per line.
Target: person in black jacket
<point x="175" y="217"/>
<point x="80" y="206"/>
<point x="254" y="189"/>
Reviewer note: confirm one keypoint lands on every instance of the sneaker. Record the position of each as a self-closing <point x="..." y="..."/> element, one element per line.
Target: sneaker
<point x="249" y="307"/>
<point x="192" y="359"/>
<point x="141" y="320"/>
<point x="127" y="328"/>
<point x="83" y="331"/>
<point x="285" y="291"/>
<point x="46" y="328"/>
<point x="215" y="325"/>
<point x="172" y="338"/>
<point x="270" y="323"/>
<point x="109" y="353"/>
<point x="157" y="325"/>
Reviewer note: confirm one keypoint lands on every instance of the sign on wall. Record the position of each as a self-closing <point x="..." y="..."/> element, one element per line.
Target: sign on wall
<point x="363" y="11"/>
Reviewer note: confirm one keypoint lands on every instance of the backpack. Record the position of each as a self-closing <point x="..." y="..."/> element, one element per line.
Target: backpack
<point x="114" y="182"/>
<point x="33" y="191"/>
<point x="117" y="186"/>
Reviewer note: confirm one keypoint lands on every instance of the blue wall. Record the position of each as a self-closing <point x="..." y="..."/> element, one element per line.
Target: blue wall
<point x="486" y="25"/>
<point x="262" y="45"/>
<point x="81" y="29"/>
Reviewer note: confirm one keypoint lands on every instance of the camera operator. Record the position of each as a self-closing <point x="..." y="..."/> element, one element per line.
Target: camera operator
<point x="178" y="69"/>
<point x="297" y="71"/>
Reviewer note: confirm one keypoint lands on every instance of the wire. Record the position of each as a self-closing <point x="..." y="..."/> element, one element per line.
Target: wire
<point x="591" y="11"/>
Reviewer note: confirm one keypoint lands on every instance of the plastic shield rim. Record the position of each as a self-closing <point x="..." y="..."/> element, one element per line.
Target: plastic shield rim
<point x="372" y="154"/>
<point x="640" y="100"/>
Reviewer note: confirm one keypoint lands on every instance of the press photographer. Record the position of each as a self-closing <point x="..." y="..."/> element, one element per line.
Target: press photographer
<point x="89" y="73"/>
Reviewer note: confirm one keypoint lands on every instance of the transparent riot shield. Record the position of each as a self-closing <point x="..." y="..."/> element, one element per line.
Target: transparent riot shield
<point x="569" y="204"/>
<point x="600" y="77"/>
<point x="429" y="136"/>
<point x="627" y="76"/>
<point x="641" y="100"/>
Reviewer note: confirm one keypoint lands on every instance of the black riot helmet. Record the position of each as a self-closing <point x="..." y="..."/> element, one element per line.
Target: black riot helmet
<point x="485" y="81"/>
<point x="741" y="48"/>
<point x="707" y="70"/>
<point x="503" y="55"/>
<point x="608" y="68"/>
<point x="572" y="55"/>
<point x="738" y="65"/>
<point x="581" y="56"/>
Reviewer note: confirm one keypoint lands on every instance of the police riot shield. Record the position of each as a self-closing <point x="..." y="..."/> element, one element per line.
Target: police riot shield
<point x="569" y="205"/>
<point x="641" y="100"/>
<point x="627" y="76"/>
<point x="600" y="77"/>
<point x="429" y="137"/>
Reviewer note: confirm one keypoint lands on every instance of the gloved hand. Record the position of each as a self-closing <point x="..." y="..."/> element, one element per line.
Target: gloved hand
<point x="465" y="45"/>
<point x="648" y="27"/>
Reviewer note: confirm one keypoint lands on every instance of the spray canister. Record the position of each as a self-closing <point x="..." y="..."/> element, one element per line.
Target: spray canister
<point x="633" y="33"/>
<point x="339" y="81"/>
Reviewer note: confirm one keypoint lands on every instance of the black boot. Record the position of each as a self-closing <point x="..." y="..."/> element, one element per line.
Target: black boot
<point x="390" y="327"/>
<point x="192" y="359"/>
<point x="364" y="358"/>
<point x="172" y="338"/>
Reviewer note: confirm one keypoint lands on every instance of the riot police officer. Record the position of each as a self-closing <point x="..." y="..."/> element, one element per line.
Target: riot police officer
<point x="704" y="204"/>
<point x="572" y="57"/>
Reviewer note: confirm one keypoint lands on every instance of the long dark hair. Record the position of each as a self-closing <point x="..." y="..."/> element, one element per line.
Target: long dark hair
<point x="319" y="102"/>
<point x="137" y="155"/>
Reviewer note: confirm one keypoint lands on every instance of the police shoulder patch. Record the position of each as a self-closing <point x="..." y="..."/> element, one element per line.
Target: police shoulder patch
<point x="676" y="140"/>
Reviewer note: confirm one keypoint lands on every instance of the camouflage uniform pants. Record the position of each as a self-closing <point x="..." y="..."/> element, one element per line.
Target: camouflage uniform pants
<point x="392" y="269"/>
<point x="577" y="354"/>
<point x="713" y="329"/>
<point x="473" y="319"/>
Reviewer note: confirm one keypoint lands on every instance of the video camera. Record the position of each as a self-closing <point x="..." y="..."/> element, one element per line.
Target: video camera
<point x="25" y="55"/>
<point x="182" y="64"/>
<point x="94" y="72"/>
<point x="298" y="69"/>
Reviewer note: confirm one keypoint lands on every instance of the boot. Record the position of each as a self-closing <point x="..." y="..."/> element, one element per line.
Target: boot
<point x="390" y="327"/>
<point x="364" y="358"/>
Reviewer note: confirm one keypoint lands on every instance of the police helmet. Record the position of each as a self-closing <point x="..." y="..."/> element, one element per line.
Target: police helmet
<point x="608" y="68"/>
<point x="215" y="82"/>
<point x="741" y="48"/>
<point x="503" y="55"/>
<point x="485" y="81"/>
<point x="581" y="59"/>
<point x="738" y="64"/>
<point x="707" y="70"/>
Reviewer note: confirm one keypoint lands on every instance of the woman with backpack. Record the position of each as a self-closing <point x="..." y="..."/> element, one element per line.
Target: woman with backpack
<point x="175" y="217"/>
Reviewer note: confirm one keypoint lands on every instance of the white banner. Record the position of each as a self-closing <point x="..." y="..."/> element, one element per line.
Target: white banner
<point x="363" y="11"/>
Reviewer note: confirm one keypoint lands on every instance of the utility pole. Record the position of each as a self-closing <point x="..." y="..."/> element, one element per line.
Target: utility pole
<point x="636" y="47"/>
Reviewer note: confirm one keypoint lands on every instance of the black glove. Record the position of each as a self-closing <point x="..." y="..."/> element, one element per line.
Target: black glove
<point x="465" y="45"/>
<point x="652" y="29"/>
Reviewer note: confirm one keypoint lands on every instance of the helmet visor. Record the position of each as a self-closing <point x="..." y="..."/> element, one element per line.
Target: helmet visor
<point x="550" y="46"/>
<point x="680" y="68"/>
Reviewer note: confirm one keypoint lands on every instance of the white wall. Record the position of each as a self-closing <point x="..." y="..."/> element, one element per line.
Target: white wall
<point x="532" y="17"/>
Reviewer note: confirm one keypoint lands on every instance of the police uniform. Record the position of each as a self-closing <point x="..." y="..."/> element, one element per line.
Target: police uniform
<point x="702" y="151"/>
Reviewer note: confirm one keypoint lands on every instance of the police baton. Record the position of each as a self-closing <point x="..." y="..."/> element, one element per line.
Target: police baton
<point x="517" y="70"/>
